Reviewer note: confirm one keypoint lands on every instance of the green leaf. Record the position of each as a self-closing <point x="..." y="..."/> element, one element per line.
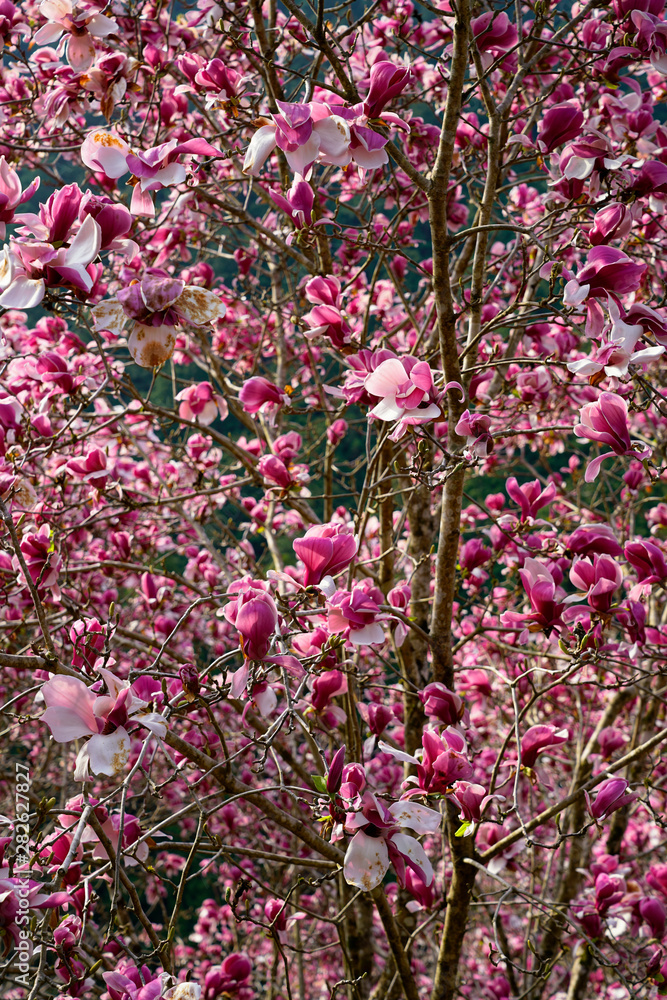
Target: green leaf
<point x="463" y="829"/>
<point x="320" y="783"/>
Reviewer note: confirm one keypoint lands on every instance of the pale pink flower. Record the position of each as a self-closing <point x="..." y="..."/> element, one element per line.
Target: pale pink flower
<point x="369" y="854"/>
<point x="75" y="710"/>
<point x="199" y="402"/>
<point x="80" y="24"/>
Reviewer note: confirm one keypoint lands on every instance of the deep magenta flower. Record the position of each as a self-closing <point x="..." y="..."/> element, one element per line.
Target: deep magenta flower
<point x="472" y="799"/>
<point x="441" y="761"/>
<point x="254" y="615"/>
<point x="589" y="539"/>
<point x="387" y="81"/>
<point x="599" y="579"/>
<point x="442" y="704"/>
<point x="611" y="795"/>
<point x="542" y="592"/>
<point x="91" y="469"/>
<point x="559" y="124"/>
<point x="648" y="560"/>
<point x="258" y="395"/>
<point x="530" y="496"/>
<point x="200" y="402"/>
<point x="75" y="710"/>
<point x="607" y="271"/>
<point x="539" y="738"/>
<point x="606" y="421"/>
<point x="356" y="613"/>
<point x="614" y="222"/>
<point x="406" y="392"/>
<point x="325" y="550"/>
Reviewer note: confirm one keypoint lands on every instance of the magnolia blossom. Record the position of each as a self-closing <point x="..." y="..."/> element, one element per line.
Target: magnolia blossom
<point x="611" y="795"/>
<point x="539" y="738"/>
<point x="531" y="497"/>
<point x="378" y="841"/>
<point x="154" y="168"/>
<point x="22" y="276"/>
<point x="543" y="594"/>
<point x="618" y="353"/>
<point x="440" y="761"/>
<point x="406" y="392"/>
<point x="12" y="194"/>
<point x="155" y="307"/>
<point x="80" y="24"/>
<point x="326" y="133"/>
<point x="325" y="550"/>
<point x="258" y="395"/>
<point x="199" y="402"/>
<point x="254" y="615"/>
<point x="326" y="319"/>
<point x="75" y="710"/>
<point x="606" y="421"/>
<point x="355" y="613"/>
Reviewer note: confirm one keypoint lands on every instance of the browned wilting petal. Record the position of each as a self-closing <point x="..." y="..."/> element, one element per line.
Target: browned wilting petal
<point x="199" y="306"/>
<point x="151" y="346"/>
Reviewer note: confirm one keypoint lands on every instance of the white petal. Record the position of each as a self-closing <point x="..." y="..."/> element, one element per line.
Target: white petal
<point x="23" y="293"/>
<point x="85" y="246"/>
<point x="366" y="861"/>
<point x="419" y="818"/>
<point x="199" y="306"/>
<point x="398" y="754"/>
<point x="109" y="315"/>
<point x="109" y="754"/>
<point x="368" y="635"/>
<point x="153" y="721"/>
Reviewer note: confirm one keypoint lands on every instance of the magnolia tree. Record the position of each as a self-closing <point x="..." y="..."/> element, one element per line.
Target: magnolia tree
<point x="333" y="520"/>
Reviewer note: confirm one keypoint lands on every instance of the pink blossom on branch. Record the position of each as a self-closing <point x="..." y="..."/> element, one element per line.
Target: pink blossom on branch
<point x="606" y="421"/>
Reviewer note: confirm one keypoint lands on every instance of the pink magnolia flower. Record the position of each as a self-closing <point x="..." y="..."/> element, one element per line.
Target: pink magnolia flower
<point x="442" y="704"/>
<point x="316" y="132"/>
<point x="539" y="738"/>
<point x="652" y="911"/>
<point x="542" y="593"/>
<point x="560" y="123"/>
<point x="531" y="497"/>
<point x="337" y="431"/>
<point x="648" y="561"/>
<point x="607" y="271"/>
<point x="229" y="978"/>
<point x="589" y="539"/>
<point x="42" y="560"/>
<point x="155" y="308"/>
<point x="298" y="205"/>
<point x="475" y="428"/>
<point x="12" y="194"/>
<point x="80" y="23"/>
<point x="406" y="392"/>
<point x="441" y="761"/>
<point x="599" y="579"/>
<point x="91" y="469"/>
<point x="614" y="222"/>
<point x="386" y="81"/>
<point x="378" y="842"/>
<point x="75" y="710"/>
<point x="606" y="421"/>
<point x="282" y="473"/>
<point x="15" y="893"/>
<point x="472" y="800"/>
<point x="616" y="356"/>
<point x="154" y="168"/>
<point x="326" y="318"/>
<point x="611" y="795"/>
<point x="494" y="35"/>
<point x="325" y="550"/>
<point x="258" y="395"/>
<point x="254" y="615"/>
<point x="199" y="402"/>
<point x="28" y="266"/>
<point x="356" y="613"/>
